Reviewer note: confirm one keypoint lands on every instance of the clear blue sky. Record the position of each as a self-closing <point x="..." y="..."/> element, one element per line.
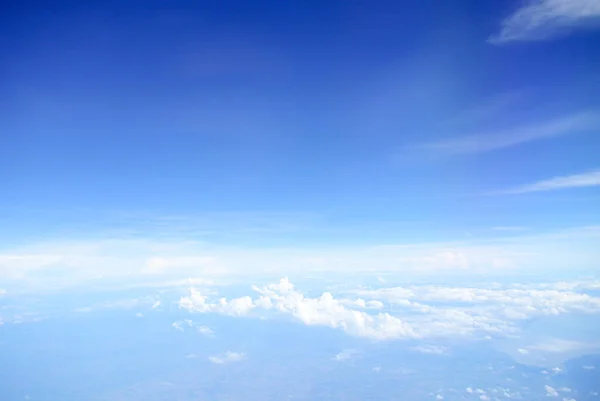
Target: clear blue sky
<point x="365" y="121"/>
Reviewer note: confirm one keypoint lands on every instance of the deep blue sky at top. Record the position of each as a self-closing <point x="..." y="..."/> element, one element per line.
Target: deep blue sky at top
<point x="285" y="106"/>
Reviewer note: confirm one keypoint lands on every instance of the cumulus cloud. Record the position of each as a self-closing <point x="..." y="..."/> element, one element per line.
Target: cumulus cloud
<point x="588" y="179"/>
<point x="227" y="357"/>
<point x="551" y="391"/>
<point x="322" y="311"/>
<point x="545" y="19"/>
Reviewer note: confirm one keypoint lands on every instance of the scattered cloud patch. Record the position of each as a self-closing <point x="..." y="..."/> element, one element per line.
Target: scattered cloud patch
<point x="227" y="357"/>
<point x="205" y="331"/>
<point x="546" y="19"/>
<point x="182" y="324"/>
<point x="551" y="391"/>
<point x="345" y="355"/>
<point x="588" y="367"/>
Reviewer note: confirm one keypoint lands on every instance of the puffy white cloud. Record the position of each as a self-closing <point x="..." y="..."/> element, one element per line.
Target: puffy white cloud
<point x="227" y="357"/>
<point x="544" y="19"/>
<point x="322" y="311"/>
<point x="551" y="391"/>
<point x="206" y="331"/>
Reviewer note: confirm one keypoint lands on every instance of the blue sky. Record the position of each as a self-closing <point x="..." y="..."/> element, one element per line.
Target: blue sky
<point x="231" y="134"/>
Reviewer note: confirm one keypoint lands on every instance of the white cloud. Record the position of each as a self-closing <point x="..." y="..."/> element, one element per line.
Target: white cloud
<point x="2" y="292"/>
<point x="322" y="311"/>
<point x="345" y="355"/>
<point x="551" y="391"/>
<point x="523" y="351"/>
<point x="545" y="19"/>
<point x="227" y="357"/>
<point x="439" y="397"/>
<point x="206" y="331"/>
<point x="588" y="367"/>
<point x="589" y="179"/>
<point x="469" y="390"/>
<point x="484" y="397"/>
<point x="486" y="142"/>
<point x="182" y="324"/>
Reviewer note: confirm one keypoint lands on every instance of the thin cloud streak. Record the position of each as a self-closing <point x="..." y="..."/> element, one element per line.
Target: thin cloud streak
<point x="472" y="144"/>
<point x="546" y="19"/>
<point x="589" y="179"/>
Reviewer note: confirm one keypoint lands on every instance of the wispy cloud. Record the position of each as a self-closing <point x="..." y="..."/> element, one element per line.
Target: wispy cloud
<point x="545" y="19"/>
<point x="481" y="143"/>
<point x="589" y="179"/>
<point x="509" y="228"/>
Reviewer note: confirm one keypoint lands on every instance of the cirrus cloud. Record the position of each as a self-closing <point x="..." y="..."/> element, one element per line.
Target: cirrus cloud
<point x="546" y="19"/>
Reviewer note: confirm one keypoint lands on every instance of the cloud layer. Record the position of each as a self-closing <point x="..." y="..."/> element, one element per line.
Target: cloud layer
<point x="545" y="19"/>
<point x="412" y="312"/>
